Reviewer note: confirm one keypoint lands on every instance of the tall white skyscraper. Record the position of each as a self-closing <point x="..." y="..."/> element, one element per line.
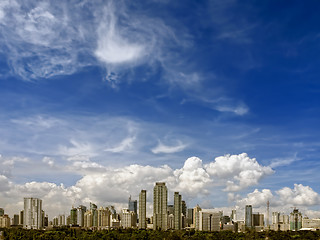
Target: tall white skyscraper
<point x="160" y="205"/>
<point x="142" y="209"/>
<point x="32" y="217"/>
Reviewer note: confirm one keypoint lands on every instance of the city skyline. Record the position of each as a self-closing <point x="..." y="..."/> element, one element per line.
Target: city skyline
<point x="165" y="216"/>
<point x="218" y="99"/>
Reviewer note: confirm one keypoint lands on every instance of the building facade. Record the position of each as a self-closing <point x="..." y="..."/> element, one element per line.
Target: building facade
<point x="143" y="209"/>
<point x="160" y="204"/>
<point x="132" y="205"/>
<point x="32" y="217"/>
<point x="128" y="219"/>
<point x="104" y="218"/>
<point x="177" y="211"/>
<point x="207" y="220"/>
<point x="80" y="215"/>
<point x="295" y="220"/>
<point x="248" y="216"/>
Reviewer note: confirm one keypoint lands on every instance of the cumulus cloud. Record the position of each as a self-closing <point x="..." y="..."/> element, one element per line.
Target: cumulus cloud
<point x="239" y="171"/>
<point x="161" y="148"/>
<point x="105" y="185"/>
<point x="192" y="178"/>
<point x="299" y="195"/>
<point x="282" y="200"/>
<point x="257" y="198"/>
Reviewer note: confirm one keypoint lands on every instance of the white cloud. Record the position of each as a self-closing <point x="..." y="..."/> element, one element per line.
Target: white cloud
<point x="38" y="122"/>
<point x="299" y="195"/>
<point x="104" y="185"/>
<point x="282" y="200"/>
<point x="77" y="148"/>
<point x="125" y="145"/>
<point x="112" y="47"/>
<point x="48" y="161"/>
<point x="161" y="148"/>
<point x="257" y="198"/>
<point x="4" y="183"/>
<point x="192" y="178"/>
<point x="40" y="40"/>
<point x="8" y="163"/>
<point x="239" y="171"/>
<point x="277" y="162"/>
<point x="238" y="110"/>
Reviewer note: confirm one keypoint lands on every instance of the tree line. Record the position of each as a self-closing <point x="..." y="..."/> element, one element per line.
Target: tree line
<point x="135" y="234"/>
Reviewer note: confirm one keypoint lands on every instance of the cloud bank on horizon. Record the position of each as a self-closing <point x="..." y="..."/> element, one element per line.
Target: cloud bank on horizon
<point x="105" y="185"/>
<point x="99" y="100"/>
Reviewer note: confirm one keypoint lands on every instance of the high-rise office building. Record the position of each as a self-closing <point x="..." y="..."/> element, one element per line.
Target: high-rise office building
<point x="190" y="217"/>
<point x="128" y="219"/>
<point x="257" y="219"/>
<point x="4" y="221"/>
<point x="73" y="216"/>
<point x="195" y="216"/>
<point x="21" y="217"/>
<point x="160" y="204"/>
<point x="32" y="218"/>
<point x="234" y="215"/>
<point x="177" y="211"/>
<point x="295" y="220"/>
<point x="184" y="214"/>
<point x="94" y="212"/>
<point x="80" y="215"/>
<point x="248" y="216"/>
<point x="61" y="220"/>
<point x="15" y="220"/>
<point x="207" y="220"/>
<point x="132" y="205"/>
<point x="103" y="218"/>
<point x="143" y="209"/>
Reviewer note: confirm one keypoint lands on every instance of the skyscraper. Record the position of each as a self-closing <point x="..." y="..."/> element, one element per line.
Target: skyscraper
<point x="132" y="205"/>
<point x="32" y="218"/>
<point x="177" y="211"/>
<point x="128" y="218"/>
<point x="295" y="220"/>
<point x="73" y="216"/>
<point x="103" y="218"/>
<point x="160" y="202"/>
<point x="234" y="215"/>
<point x="143" y="209"/>
<point x="94" y="212"/>
<point x="80" y="215"/>
<point x="248" y="216"/>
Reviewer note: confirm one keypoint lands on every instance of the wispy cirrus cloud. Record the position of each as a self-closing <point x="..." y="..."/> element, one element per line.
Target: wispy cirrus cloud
<point x="125" y="145"/>
<point x="162" y="148"/>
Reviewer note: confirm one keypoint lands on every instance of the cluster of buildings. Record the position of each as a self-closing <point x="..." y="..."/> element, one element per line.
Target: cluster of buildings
<point x="165" y="216"/>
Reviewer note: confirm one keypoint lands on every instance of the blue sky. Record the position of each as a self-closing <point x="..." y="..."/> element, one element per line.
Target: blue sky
<point x="119" y="92"/>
